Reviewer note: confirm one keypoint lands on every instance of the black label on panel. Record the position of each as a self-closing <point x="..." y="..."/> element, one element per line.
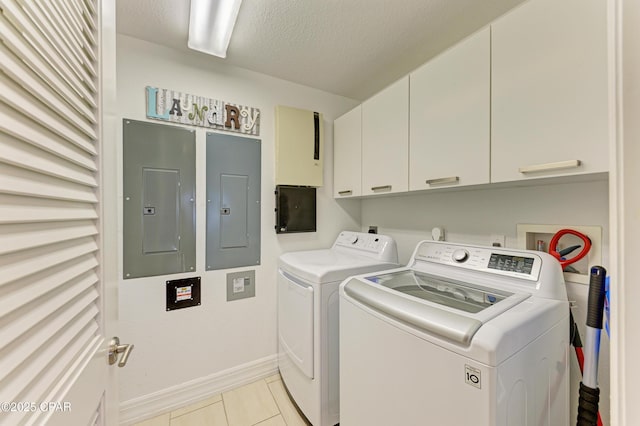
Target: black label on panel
<point x="316" y="136"/>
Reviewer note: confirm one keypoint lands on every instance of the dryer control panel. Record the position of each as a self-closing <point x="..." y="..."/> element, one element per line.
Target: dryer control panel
<point x="379" y="246"/>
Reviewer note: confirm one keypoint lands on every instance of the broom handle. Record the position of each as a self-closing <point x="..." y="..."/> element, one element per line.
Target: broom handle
<point x="588" y="414"/>
<point x="595" y="309"/>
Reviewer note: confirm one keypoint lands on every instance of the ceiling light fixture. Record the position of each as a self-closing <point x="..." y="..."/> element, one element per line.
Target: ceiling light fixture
<point x="211" y="24"/>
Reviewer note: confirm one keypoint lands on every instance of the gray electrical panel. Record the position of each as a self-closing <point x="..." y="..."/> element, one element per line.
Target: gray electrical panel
<point x="233" y="201"/>
<point x="159" y="199"/>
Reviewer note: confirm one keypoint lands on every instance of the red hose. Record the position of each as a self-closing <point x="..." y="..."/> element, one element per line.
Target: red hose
<point x="553" y="244"/>
<point x="580" y="356"/>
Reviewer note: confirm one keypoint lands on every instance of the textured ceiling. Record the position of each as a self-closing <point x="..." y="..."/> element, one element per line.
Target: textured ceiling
<point x="352" y="48"/>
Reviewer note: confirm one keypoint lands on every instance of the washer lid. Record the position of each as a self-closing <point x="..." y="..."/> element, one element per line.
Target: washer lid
<point x="445" y="307"/>
<point x="454" y="294"/>
<point x="329" y="265"/>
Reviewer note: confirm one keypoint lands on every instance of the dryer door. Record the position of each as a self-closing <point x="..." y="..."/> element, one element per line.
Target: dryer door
<point x="295" y="321"/>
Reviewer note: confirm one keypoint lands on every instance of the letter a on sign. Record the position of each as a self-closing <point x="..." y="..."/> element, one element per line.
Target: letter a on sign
<point x="175" y="108"/>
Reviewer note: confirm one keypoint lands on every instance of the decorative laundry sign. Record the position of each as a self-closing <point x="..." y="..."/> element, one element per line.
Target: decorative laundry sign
<point x="183" y="108"/>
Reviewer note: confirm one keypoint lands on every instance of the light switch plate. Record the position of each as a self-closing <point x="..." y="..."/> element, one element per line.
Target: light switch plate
<point x="241" y="285"/>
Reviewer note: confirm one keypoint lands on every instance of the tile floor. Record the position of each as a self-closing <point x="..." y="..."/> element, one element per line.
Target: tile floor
<point x="261" y="403"/>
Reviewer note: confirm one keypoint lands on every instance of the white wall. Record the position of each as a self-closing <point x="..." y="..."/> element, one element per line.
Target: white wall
<point x="172" y="348"/>
<point x="471" y="216"/>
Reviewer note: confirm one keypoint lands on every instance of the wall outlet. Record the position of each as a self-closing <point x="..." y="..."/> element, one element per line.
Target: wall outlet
<point x="497" y="240"/>
<point x="241" y="285"/>
<point x="437" y="233"/>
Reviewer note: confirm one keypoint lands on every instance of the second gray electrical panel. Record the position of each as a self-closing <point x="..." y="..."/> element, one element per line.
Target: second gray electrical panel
<point x="233" y="201"/>
<point x="159" y="199"/>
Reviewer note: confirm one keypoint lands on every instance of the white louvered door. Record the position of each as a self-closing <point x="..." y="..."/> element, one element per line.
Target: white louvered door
<point x="53" y="364"/>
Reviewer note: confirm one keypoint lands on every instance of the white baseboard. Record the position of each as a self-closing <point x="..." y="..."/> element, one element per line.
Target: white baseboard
<point x="165" y="400"/>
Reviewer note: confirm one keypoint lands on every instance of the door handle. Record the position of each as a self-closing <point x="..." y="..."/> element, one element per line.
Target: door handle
<point x="116" y="348"/>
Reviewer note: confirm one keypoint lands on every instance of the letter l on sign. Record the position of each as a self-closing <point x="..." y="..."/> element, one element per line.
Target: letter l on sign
<point x="152" y="112"/>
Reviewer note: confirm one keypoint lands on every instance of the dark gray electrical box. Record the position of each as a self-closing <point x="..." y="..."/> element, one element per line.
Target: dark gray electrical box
<point x="295" y="209"/>
<point x="233" y="201"/>
<point x="183" y="293"/>
<point x="159" y="199"/>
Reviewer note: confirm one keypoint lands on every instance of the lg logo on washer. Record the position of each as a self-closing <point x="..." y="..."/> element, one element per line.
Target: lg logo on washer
<point x="472" y="376"/>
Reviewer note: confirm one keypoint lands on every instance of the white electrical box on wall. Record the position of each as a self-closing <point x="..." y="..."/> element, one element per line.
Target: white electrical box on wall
<point x="299" y="147"/>
<point x="530" y="236"/>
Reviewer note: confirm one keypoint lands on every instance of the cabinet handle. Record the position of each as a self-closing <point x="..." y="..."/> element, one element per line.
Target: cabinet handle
<point x="380" y="188"/>
<point x="570" y="164"/>
<point x="440" y="181"/>
<point x="348" y="192"/>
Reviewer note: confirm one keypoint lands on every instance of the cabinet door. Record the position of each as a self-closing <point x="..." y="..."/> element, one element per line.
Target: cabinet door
<point x="449" y="107"/>
<point x="550" y="90"/>
<point x="385" y="140"/>
<point x="347" y="154"/>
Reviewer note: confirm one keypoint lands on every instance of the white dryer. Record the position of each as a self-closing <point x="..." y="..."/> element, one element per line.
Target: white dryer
<point x="308" y="317"/>
<point x="463" y="335"/>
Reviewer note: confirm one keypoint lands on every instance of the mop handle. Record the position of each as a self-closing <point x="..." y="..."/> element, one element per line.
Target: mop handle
<point x="595" y="310"/>
<point x="589" y="392"/>
<point x="595" y="305"/>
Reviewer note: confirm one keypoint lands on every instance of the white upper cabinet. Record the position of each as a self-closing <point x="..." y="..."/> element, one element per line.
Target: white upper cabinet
<point x="449" y="117"/>
<point x="347" y="154"/>
<point x="385" y="140"/>
<point x="529" y="97"/>
<point x="550" y="90"/>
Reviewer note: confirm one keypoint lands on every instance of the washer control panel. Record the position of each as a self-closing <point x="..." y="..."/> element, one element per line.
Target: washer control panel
<point x="493" y="260"/>
<point x="510" y="263"/>
<point x="460" y="255"/>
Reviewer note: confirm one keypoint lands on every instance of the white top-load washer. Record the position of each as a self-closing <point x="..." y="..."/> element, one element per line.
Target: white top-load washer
<point x="308" y="316"/>
<point x="463" y="335"/>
